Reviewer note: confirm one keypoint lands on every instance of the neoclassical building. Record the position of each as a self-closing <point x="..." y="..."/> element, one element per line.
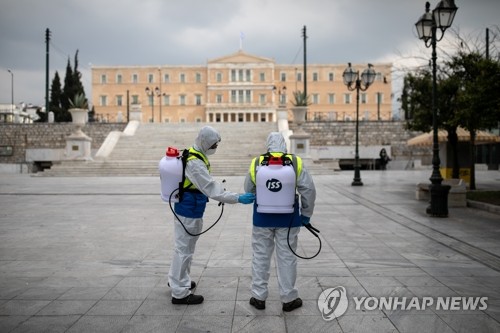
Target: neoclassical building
<point x="240" y="87"/>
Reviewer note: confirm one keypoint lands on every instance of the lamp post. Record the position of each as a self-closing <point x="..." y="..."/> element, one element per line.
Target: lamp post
<point x="151" y="93"/>
<point x="441" y="17"/>
<point x="353" y="82"/>
<point x="11" y="90"/>
<point x="158" y="93"/>
<point x="281" y="95"/>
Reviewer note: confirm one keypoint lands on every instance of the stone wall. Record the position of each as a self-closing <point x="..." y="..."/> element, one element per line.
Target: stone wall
<point x="48" y="136"/>
<point x="334" y="133"/>
<point x="370" y="133"/>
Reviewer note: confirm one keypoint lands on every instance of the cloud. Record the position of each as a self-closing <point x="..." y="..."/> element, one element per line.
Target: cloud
<point x="159" y="32"/>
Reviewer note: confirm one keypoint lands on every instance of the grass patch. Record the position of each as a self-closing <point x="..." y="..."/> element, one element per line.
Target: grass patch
<point x="490" y="197"/>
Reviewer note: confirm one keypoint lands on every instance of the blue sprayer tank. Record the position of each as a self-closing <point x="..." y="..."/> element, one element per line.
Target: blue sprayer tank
<point x="170" y="168"/>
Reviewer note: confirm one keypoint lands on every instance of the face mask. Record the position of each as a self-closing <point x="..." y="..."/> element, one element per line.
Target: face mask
<point x="212" y="149"/>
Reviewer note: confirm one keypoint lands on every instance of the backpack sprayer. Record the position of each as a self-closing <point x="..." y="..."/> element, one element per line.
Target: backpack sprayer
<point x="275" y="192"/>
<point x="172" y="169"/>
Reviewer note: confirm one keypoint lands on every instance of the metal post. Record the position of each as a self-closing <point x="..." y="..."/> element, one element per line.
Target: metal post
<point x="11" y="90"/>
<point x="47" y="40"/>
<point x="151" y="94"/>
<point x="160" y="94"/>
<point x="439" y="193"/>
<point x="378" y="105"/>
<point x="128" y="106"/>
<point x="304" y="35"/>
<point x="357" y="174"/>
<point x="152" y="106"/>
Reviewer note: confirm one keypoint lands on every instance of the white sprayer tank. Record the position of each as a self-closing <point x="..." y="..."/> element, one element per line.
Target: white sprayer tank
<point x="275" y="187"/>
<point x="170" y="168"/>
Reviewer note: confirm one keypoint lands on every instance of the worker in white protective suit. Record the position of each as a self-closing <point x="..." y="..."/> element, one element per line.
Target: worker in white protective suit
<point x="197" y="188"/>
<point x="270" y="230"/>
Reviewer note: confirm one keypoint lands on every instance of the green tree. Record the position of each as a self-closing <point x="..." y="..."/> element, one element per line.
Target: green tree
<point x="55" y="98"/>
<point x="72" y="87"/>
<point x="478" y="98"/>
<point x="416" y="101"/>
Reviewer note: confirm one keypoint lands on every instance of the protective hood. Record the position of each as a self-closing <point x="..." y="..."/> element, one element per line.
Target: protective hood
<point x="276" y="142"/>
<point x="207" y="137"/>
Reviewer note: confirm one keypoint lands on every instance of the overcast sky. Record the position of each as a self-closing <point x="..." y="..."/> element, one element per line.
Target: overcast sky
<point x="189" y="32"/>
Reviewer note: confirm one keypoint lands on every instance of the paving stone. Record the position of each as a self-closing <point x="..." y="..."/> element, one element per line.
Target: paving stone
<point x="102" y="265"/>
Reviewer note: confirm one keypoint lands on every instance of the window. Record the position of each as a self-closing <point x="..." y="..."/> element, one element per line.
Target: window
<point x="248" y="96"/>
<point x="331" y="77"/>
<point x="219" y="77"/>
<point x="367" y="115"/>
<point x="315" y="76"/>
<point x="262" y="77"/>
<point x="218" y="98"/>
<point x="151" y="78"/>
<point x="380" y="97"/>
<point x="198" y="77"/>
<point x="262" y="99"/>
<point x="198" y="99"/>
<point x="240" y="75"/>
<point x="233" y="96"/>
<point x="347" y="98"/>
<point x="315" y="99"/>
<point x="240" y="96"/>
<point x="103" y="100"/>
<point x="182" y="100"/>
<point x="248" y="75"/>
<point x="166" y="78"/>
<point x="150" y="99"/>
<point x="233" y="75"/>
<point x="283" y="77"/>
<point x="103" y="79"/>
<point x="299" y="77"/>
<point x="135" y="99"/>
<point x="166" y="99"/>
<point x="119" y="100"/>
<point x="119" y="79"/>
<point x="331" y="98"/>
<point x="182" y="78"/>
<point x="363" y="98"/>
<point x="135" y="78"/>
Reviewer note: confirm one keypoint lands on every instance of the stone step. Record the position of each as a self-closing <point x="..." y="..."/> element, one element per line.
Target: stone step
<point x="139" y="154"/>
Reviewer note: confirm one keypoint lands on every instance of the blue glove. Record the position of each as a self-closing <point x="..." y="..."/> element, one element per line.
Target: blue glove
<point x="246" y="198"/>
<point x="305" y="219"/>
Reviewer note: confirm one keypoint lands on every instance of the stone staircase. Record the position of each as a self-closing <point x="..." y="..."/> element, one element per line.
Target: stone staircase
<point x="139" y="154"/>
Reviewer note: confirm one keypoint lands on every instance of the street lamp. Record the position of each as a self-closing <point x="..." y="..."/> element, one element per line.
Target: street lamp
<point x="441" y="17"/>
<point x="353" y="82"/>
<point x="151" y="93"/>
<point x="11" y="90"/>
<point x="281" y="95"/>
<point x="159" y="94"/>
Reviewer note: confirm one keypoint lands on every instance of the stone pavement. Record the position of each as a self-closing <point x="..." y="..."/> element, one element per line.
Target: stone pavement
<point x="91" y="255"/>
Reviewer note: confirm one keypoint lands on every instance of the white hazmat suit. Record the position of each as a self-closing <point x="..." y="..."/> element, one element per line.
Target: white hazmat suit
<point x="266" y="238"/>
<point x="198" y="173"/>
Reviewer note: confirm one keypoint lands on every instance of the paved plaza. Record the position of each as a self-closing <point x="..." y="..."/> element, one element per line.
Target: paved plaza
<point x="91" y="254"/>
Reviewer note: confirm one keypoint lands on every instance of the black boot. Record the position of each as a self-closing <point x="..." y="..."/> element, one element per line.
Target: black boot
<point x="189" y="299"/>
<point x="296" y="303"/>
<point x="258" y="304"/>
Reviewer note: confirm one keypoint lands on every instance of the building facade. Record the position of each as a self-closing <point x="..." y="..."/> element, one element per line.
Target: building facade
<point x="236" y="88"/>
